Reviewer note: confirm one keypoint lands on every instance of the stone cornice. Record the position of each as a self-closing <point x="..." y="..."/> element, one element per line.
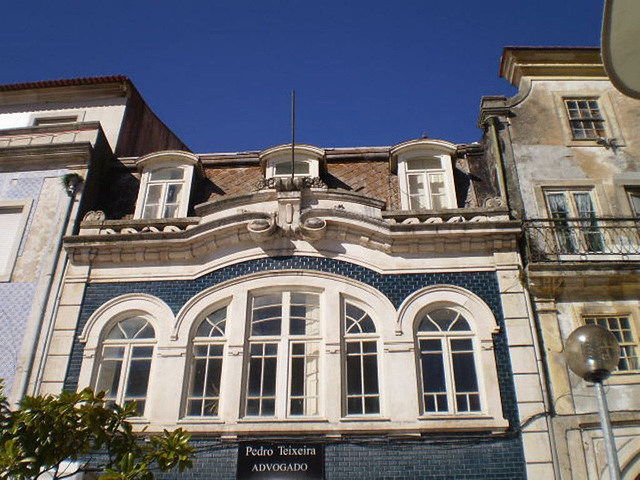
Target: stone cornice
<point x="104" y="243"/>
<point x="60" y="155"/>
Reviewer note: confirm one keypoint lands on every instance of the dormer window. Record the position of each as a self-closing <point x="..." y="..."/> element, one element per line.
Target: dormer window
<point x="307" y="161"/>
<point x="165" y="186"/>
<point x="425" y="172"/>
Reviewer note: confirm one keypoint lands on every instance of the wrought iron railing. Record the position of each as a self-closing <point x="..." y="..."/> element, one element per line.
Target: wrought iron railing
<point x="574" y="239"/>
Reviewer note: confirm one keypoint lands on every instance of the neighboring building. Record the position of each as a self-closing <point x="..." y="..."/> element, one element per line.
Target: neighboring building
<point x="56" y="144"/>
<point x="368" y="307"/>
<point x="569" y="143"/>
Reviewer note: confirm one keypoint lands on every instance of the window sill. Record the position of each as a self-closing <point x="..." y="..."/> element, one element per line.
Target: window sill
<point x="464" y="422"/>
<point x="200" y="420"/>
<point x="282" y="420"/>
<point x="365" y="418"/>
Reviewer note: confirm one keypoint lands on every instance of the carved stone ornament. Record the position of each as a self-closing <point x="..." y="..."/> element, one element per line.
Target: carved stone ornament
<point x="287" y="184"/>
<point x="94" y="216"/>
<point x="494" y="202"/>
<point x="261" y="229"/>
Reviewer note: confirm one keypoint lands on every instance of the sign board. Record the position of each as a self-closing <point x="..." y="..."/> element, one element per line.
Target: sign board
<point x="281" y="460"/>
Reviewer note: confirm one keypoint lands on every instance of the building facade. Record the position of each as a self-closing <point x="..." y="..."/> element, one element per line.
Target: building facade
<point x="569" y="146"/>
<point x="56" y="144"/>
<point x="365" y="304"/>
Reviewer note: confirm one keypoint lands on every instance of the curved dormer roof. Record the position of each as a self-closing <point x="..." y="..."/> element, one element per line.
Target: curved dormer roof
<point x="302" y="152"/>
<point x="426" y="145"/>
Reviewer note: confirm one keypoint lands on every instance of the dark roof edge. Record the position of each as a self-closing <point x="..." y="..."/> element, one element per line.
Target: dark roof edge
<point x="65" y="83"/>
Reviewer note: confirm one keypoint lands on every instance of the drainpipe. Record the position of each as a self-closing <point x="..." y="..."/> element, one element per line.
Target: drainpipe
<point x="72" y="183"/>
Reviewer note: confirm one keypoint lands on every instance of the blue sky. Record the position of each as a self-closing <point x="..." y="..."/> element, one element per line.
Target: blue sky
<point x="366" y="73"/>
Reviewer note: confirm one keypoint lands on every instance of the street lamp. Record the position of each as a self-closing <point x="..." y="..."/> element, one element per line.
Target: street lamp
<point x="592" y="353"/>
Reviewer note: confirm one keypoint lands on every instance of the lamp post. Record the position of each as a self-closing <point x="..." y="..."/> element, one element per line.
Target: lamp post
<point x="592" y="353"/>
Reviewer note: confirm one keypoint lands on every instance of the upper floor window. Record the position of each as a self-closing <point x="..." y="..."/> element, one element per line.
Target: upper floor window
<point x="585" y="118"/>
<point x="634" y="200"/>
<point x="125" y="364"/>
<point x="163" y="197"/>
<point x="575" y="221"/>
<point x="165" y="186"/>
<point x="426" y="186"/>
<point x="425" y="174"/>
<point x="283" y="360"/>
<point x="207" y="350"/>
<point x="277" y="162"/>
<point x="361" y="362"/>
<point x="283" y="168"/>
<point x="447" y="363"/>
<point x="620" y="326"/>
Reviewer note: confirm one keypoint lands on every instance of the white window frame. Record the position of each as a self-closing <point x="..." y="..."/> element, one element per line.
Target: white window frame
<point x="128" y="345"/>
<point x="401" y="154"/>
<point x="212" y="341"/>
<point x="284" y="355"/>
<point x="310" y="155"/>
<point x="185" y="162"/>
<point x="359" y="338"/>
<point x="446" y="354"/>
<point x="11" y="251"/>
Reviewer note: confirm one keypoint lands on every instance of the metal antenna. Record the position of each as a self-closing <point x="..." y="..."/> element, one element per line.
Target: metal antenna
<point x="293" y="134"/>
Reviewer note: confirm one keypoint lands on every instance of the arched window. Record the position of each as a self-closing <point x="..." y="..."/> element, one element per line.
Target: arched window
<point x="127" y="352"/>
<point x="447" y="363"/>
<point x="283" y="357"/>
<point x="361" y="362"/>
<point x="203" y="397"/>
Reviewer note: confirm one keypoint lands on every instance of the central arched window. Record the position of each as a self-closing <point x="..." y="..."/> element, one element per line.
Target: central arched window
<point x="447" y="363"/>
<point x="127" y="352"/>
<point x="203" y="398"/>
<point x="283" y="377"/>
<point x="361" y="359"/>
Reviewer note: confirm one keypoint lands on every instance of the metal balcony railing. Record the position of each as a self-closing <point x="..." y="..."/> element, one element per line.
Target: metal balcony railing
<point x="575" y="239"/>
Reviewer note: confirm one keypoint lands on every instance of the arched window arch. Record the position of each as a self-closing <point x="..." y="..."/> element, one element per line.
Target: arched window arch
<point x="205" y="369"/>
<point x="361" y="361"/>
<point x="125" y="362"/>
<point x="446" y="348"/>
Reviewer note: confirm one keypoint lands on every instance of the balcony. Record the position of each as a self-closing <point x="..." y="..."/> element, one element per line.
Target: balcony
<point x="582" y="239"/>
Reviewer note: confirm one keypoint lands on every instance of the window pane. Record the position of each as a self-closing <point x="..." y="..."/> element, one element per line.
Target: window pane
<point x="428" y="163"/>
<point x="167" y="174"/>
<point x="433" y="376"/>
<point x="154" y="193"/>
<point x="197" y="379"/>
<point x="354" y="375"/>
<point x="109" y="378"/>
<point x="138" y="378"/>
<point x="170" y="211"/>
<point x="464" y="372"/>
<point x="304" y="381"/>
<point x="173" y="193"/>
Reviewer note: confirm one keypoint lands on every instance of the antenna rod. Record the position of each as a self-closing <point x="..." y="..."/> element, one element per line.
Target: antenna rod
<point x="293" y="134"/>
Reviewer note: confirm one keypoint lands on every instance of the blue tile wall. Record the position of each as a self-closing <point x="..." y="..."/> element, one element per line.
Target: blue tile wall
<point x="492" y="457"/>
<point x="489" y="458"/>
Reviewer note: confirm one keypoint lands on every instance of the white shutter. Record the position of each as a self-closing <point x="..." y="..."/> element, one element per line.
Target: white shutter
<point x="10" y="221"/>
